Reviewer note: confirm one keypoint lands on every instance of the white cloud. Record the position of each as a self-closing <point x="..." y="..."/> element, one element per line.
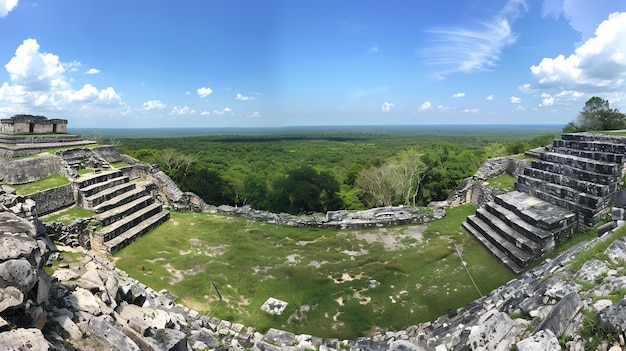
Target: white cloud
<point x="255" y="114"/>
<point x="34" y="70"/>
<point x="183" y="110"/>
<point x="598" y="65"/>
<point x="526" y="88"/>
<point x="520" y="108"/>
<point x="516" y="100"/>
<point x="582" y="16"/>
<point x="6" y="6"/>
<point x="243" y="97"/>
<point x="547" y="100"/>
<point x="153" y="105"/>
<point x="443" y="108"/>
<point x="471" y="110"/>
<point x="204" y="92"/>
<point x="458" y="95"/>
<point x="205" y="113"/>
<point x="490" y="97"/>
<point x="451" y="50"/>
<point x="426" y="106"/>
<point x="38" y="85"/>
<point x="225" y="110"/>
<point x="387" y="106"/>
<point x="92" y="71"/>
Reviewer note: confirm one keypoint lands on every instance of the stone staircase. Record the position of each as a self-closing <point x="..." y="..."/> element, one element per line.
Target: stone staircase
<point x="125" y="210"/>
<point x="567" y="188"/>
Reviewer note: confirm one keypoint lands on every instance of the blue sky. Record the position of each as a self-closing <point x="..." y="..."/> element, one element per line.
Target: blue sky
<point x="236" y="63"/>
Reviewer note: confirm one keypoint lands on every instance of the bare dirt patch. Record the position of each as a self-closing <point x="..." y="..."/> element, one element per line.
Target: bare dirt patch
<point x="393" y="239"/>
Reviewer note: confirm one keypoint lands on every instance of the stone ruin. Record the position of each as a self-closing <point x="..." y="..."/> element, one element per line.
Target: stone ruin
<point x="24" y="135"/>
<point x="567" y="188"/>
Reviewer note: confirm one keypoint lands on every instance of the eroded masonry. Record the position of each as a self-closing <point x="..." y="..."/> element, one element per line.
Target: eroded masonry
<point x="567" y="188"/>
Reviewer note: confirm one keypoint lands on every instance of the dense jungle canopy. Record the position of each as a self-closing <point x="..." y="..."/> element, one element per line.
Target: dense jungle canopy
<point x="317" y="171"/>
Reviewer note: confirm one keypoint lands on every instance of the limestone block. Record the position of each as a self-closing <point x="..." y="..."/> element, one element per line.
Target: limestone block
<point x="91" y="280"/>
<point x="23" y="339"/>
<point x="617" y="249"/>
<point x="602" y="304"/>
<point x="403" y="345"/>
<point x="10" y="296"/>
<point x="18" y="245"/>
<point x="83" y="300"/>
<point x="44" y="283"/>
<point x="491" y="333"/>
<point x="205" y="336"/>
<point x="104" y="327"/>
<point x="70" y="327"/>
<point x="168" y="339"/>
<point x="542" y="341"/>
<point x="561" y="315"/>
<point x="591" y="270"/>
<point x="18" y="273"/>
<point x="614" y="316"/>
<point x="280" y="337"/>
<point x="618" y="214"/>
<point x="154" y="318"/>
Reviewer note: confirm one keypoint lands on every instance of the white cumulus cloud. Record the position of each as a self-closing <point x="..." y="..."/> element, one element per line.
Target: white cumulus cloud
<point x="458" y="95"/>
<point x="6" y="6"/>
<point x="490" y="97"/>
<point x="597" y="65"/>
<point x="204" y="92"/>
<point x="93" y="71"/>
<point x="516" y="100"/>
<point x="387" y="106"/>
<point x="255" y="114"/>
<point x="153" y="105"/>
<point x="243" y="97"/>
<point x="224" y="111"/>
<point x="426" y="106"/>
<point x="183" y="110"/>
<point x="34" y="70"/>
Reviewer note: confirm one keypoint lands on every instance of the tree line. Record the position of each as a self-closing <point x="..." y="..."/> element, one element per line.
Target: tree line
<point x="316" y="172"/>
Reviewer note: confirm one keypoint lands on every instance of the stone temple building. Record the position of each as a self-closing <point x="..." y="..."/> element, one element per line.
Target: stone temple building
<point x="29" y="124"/>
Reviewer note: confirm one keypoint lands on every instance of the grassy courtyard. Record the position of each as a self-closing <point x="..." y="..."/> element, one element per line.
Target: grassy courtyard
<point x="338" y="283"/>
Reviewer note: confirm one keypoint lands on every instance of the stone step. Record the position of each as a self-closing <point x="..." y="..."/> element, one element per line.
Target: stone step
<point x="585" y="216"/>
<point x="582" y="163"/>
<point x="507" y="232"/>
<point x="535" y="211"/>
<point x="124" y="224"/>
<point x="472" y="225"/>
<point x="591" y="188"/>
<point x="89" y="179"/>
<point x="562" y="192"/>
<point x="119" y="212"/>
<point x="576" y="173"/>
<point x="105" y="184"/>
<point x="121" y="199"/>
<point x="127" y="237"/>
<point x="540" y="236"/>
<point x="566" y="148"/>
<point x="599" y="138"/>
<point x="92" y="201"/>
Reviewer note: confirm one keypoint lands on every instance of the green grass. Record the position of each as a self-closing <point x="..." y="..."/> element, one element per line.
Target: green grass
<point x="69" y="215"/>
<point x="505" y="182"/>
<point x="251" y="261"/>
<point x="120" y="164"/>
<point x="49" y="182"/>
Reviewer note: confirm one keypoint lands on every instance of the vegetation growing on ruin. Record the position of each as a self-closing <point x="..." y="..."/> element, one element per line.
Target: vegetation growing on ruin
<point x="351" y="280"/>
<point x="69" y="215"/>
<point x="505" y="182"/>
<point x="49" y="182"/>
<point x="323" y="170"/>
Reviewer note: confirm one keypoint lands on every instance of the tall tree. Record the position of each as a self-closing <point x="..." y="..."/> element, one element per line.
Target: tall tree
<point x="597" y="115"/>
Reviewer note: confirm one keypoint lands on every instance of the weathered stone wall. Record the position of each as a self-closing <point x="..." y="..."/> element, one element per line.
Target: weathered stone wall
<point x="473" y="190"/>
<point x="31" y="169"/>
<point x="55" y="199"/>
<point x="168" y="192"/>
<point x="108" y="153"/>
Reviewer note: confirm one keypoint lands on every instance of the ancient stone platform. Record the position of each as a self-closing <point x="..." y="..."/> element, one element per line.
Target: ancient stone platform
<point x="125" y="210"/>
<point x="567" y="188"/>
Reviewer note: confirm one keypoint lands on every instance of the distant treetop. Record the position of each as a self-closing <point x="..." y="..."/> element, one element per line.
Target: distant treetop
<point x="596" y="115"/>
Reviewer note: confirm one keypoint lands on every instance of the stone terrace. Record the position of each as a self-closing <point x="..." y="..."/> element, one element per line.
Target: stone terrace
<point x="125" y="210"/>
<point x="567" y="188"/>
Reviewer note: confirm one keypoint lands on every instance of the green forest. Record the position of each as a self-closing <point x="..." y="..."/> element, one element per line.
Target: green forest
<point x="317" y="171"/>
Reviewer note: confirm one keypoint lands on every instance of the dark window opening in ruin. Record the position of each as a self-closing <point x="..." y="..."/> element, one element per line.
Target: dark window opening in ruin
<point x="54" y="128"/>
<point x="31" y="128"/>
